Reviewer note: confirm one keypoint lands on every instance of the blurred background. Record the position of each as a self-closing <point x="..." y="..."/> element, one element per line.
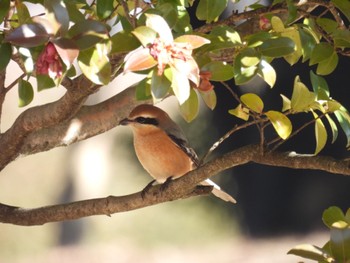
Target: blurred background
<point x="277" y="208"/>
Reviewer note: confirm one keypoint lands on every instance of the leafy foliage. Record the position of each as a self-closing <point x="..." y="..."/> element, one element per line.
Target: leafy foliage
<point x="337" y="248"/>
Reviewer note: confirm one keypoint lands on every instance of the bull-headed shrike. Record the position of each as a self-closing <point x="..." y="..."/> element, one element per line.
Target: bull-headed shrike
<point x="162" y="147"/>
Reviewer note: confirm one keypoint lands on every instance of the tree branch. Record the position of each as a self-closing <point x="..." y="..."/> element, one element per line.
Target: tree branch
<point x="183" y="187"/>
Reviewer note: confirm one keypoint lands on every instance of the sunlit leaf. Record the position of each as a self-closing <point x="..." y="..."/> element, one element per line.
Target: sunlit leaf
<point x="180" y="85"/>
<point x="267" y="72"/>
<point x="158" y="24"/>
<point x="250" y="57"/>
<point x="67" y="50"/>
<point x="190" y="108"/>
<point x="95" y="65"/>
<point x="194" y="40"/>
<point x="209" y="10"/>
<point x="28" y="35"/>
<point x="286" y="103"/>
<point x="57" y="14"/>
<point x="340" y="241"/>
<point x="138" y="60"/>
<point x="308" y="42"/>
<point x="281" y="123"/>
<point x="240" y="112"/>
<point x="332" y="215"/>
<point x="302" y="98"/>
<point x="25" y="93"/>
<point x="253" y="102"/>
<point x="311" y="252"/>
<point x="320" y="134"/>
<point x="327" y="24"/>
<point x="145" y="35"/>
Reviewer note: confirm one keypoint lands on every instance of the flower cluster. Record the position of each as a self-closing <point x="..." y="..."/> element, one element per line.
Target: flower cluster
<point x="49" y="62"/>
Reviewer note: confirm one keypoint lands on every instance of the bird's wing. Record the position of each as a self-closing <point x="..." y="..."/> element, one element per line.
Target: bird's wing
<point x="183" y="145"/>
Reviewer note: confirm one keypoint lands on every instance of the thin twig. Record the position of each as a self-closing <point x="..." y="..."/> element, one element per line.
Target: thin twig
<point x="14" y="83"/>
<point x="279" y="141"/>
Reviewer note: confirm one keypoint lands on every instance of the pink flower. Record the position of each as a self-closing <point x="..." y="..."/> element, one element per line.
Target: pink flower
<point x="49" y="62"/>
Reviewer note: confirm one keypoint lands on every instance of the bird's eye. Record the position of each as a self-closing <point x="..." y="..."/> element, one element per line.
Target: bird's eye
<point x="150" y="121"/>
<point x="141" y="120"/>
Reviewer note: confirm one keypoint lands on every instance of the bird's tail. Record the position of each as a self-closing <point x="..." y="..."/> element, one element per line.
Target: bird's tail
<point x="218" y="192"/>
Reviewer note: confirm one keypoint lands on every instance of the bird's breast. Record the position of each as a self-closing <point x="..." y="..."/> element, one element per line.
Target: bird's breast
<point x="161" y="157"/>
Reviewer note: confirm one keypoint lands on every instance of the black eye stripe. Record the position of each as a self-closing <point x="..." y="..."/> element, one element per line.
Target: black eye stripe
<point x="144" y="120"/>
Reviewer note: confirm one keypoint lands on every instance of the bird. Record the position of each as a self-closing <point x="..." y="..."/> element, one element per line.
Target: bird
<point x="162" y="147"/>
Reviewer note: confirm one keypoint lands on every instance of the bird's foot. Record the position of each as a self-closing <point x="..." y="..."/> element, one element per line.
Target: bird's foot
<point x="146" y="189"/>
<point x="166" y="184"/>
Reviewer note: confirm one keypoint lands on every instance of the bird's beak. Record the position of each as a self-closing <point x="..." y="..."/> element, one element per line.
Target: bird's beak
<point x="124" y="122"/>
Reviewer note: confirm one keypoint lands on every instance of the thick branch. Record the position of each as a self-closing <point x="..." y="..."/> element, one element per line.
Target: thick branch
<point x="183" y="187"/>
<point x="88" y="121"/>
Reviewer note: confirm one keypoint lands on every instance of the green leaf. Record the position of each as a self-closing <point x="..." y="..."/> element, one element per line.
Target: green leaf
<point x="328" y="66"/>
<point x="190" y="108"/>
<point x="344" y="6"/>
<point x="88" y="33"/>
<point x="334" y="128"/>
<point x="320" y="86"/>
<point x="240" y="112"/>
<point x="327" y="24"/>
<point x="28" y="35"/>
<point x="143" y="90"/>
<point x="145" y="35"/>
<point x="286" y="103"/>
<point x="95" y="65"/>
<point x="25" y="93"/>
<point x="242" y="74"/>
<point x="311" y="252"/>
<point x="57" y="13"/>
<point x="277" y="47"/>
<point x="281" y="123"/>
<point x="257" y="39"/>
<point x="250" y="57"/>
<point x="104" y="8"/>
<point x="322" y="51"/>
<point x="4" y="8"/>
<point x="302" y="98"/>
<point x="343" y="118"/>
<point x="277" y="24"/>
<point x="209" y="97"/>
<point x="308" y="42"/>
<point x="340" y="241"/>
<point x="6" y="53"/>
<point x="267" y="72"/>
<point x="320" y="134"/>
<point x="220" y="71"/>
<point x="123" y="42"/>
<point x="22" y="12"/>
<point x="253" y="102"/>
<point x="44" y="82"/>
<point x="210" y="10"/>
<point x="160" y="85"/>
